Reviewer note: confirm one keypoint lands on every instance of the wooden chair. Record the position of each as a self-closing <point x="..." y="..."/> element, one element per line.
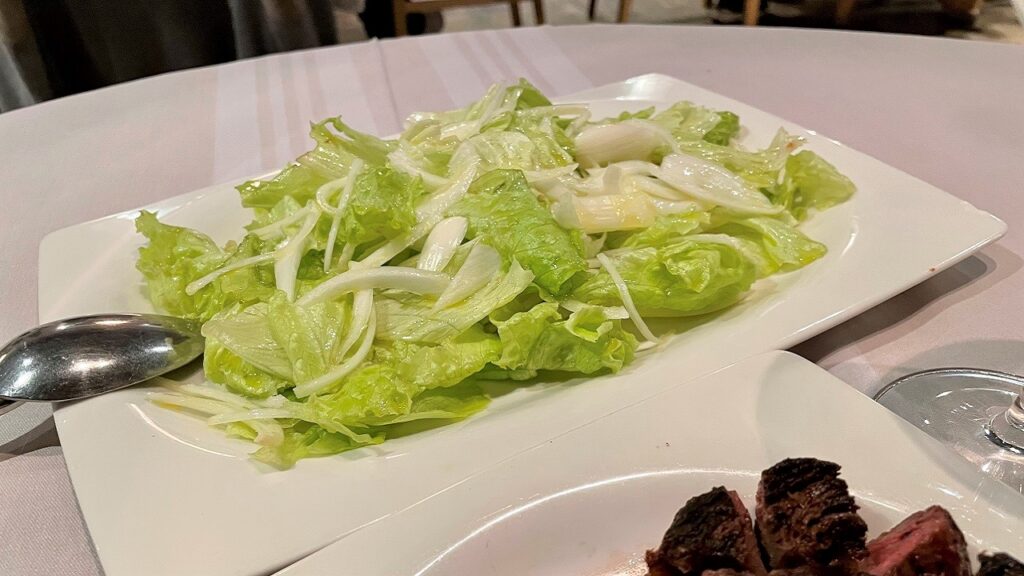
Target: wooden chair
<point x="403" y="8"/>
<point x="624" y="7"/>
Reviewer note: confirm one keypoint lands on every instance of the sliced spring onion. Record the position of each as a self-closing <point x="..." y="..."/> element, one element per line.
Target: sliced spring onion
<point x="401" y="161"/>
<point x="429" y="213"/>
<point x="286" y="266"/>
<point x="321" y="383"/>
<point x="481" y="266"/>
<point x="268" y="432"/>
<point x="630" y="140"/>
<point x="596" y="214"/>
<point x="199" y="283"/>
<point x="277" y="228"/>
<point x="611" y="312"/>
<point x="390" y="277"/>
<point x="441" y="243"/>
<point x="362" y="309"/>
<point x="345" y="257"/>
<point x="627" y="300"/>
<point x="346" y="193"/>
<point x="712" y="183"/>
<point x="254" y="414"/>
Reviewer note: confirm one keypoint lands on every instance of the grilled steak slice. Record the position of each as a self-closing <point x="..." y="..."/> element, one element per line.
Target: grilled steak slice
<point x="799" y="571"/>
<point x="711" y="532"/>
<point x="999" y="565"/>
<point x="724" y="572"/>
<point x="806" y="517"/>
<point x="927" y="542"/>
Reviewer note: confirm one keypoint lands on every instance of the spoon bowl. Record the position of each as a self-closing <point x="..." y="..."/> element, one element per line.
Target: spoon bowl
<point x="90" y="355"/>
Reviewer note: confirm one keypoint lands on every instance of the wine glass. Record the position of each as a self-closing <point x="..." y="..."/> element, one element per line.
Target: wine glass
<point x="978" y="413"/>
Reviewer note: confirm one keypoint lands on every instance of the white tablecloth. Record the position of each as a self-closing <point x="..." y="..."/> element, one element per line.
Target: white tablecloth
<point x="948" y="111"/>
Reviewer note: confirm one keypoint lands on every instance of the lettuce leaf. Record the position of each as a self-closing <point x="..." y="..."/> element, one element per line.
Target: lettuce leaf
<point x="409" y="317"/>
<point x="811" y="183"/>
<point x="781" y="245"/>
<point x="503" y="211"/>
<point x="176" y="256"/>
<point x="329" y="160"/>
<point x="684" y="278"/>
<point x="382" y="206"/>
<point x="541" y="339"/>
<point x="728" y="127"/>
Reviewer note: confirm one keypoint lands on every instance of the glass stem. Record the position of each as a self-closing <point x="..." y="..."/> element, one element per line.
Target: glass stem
<point x="1007" y="428"/>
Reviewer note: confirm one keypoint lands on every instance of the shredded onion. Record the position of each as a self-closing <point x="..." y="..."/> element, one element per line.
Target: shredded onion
<point x="480" y="267"/>
<point x="441" y="243"/>
<point x="362" y="308"/>
<point x="198" y="284"/>
<point x="361" y="278"/>
<point x="429" y="213"/>
<point x="341" y="370"/>
<point x="346" y="193"/>
<point x="627" y="300"/>
<point x="277" y="228"/>
<point x="288" y="256"/>
<point x="610" y="312"/>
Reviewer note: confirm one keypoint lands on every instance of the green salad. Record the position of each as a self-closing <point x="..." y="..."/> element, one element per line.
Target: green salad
<point x="387" y="282"/>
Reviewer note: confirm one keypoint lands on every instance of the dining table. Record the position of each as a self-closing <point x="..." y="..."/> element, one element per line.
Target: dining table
<point x="947" y="111"/>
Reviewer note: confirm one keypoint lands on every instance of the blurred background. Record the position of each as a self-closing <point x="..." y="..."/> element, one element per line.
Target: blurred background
<point x="53" y="48"/>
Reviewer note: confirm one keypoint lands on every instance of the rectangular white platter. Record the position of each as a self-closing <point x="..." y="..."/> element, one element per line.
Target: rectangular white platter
<point x="591" y="501"/>
<point x="163" y="494"/>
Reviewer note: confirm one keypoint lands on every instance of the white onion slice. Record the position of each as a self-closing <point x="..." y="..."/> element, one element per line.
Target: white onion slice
<point x="341" y="370"/>
<point x="627" y="300"/>
<point x="198" y="284"/>
<point x="390" y="277"/>
<point x="480" y="267"/>
<point x="441" y="243"/>
<point x="712" y="183"/>
<point x="277" y="228"/>
<point x="629" y="140"/>
<point x="288" y="256"/>
<point x="346" y="193"/>
<point x="362" y="309"/>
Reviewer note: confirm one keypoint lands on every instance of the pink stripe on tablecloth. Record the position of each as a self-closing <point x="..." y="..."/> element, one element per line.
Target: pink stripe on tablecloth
<point x="415" y="84"/>
<point x="537" y="47"/>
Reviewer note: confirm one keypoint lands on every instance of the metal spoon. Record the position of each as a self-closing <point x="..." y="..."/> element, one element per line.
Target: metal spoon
<point x="86" y="356"/>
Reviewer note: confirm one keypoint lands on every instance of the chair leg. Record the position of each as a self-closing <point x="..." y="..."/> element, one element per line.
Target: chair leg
<point x="592" y="9"/>
<point x="513" y="5"/>
<point x="538" y="11"/>
<point x="624" y="8"/>
<point x="844" y="8"/>
<point x="401" y="20"/>
<point x="751" y="12"/>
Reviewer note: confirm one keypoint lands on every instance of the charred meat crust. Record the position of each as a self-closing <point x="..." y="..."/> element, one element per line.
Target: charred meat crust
<point x="807" y="517"/>
<point x="999" y="565"/>
<point x="710" y="532"/>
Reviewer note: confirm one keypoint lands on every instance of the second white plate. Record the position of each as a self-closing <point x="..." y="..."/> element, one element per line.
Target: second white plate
<point x="590" y="502"/>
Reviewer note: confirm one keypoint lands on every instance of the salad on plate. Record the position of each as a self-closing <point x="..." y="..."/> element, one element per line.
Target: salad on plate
<point x="386" y="282"/>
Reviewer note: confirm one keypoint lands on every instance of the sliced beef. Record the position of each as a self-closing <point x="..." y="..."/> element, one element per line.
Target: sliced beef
<point x="724" y="572"/>
<point x="798" y="571"/>
<point x="999" y="565"/>
<point x="807" y="518"/>
<point x="927" y="542"/>
<point x="711" y="532"/>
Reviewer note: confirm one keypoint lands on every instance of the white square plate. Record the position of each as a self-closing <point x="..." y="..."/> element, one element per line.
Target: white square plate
<point x="164" y="494"/>
<point x="591" y="501"/>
